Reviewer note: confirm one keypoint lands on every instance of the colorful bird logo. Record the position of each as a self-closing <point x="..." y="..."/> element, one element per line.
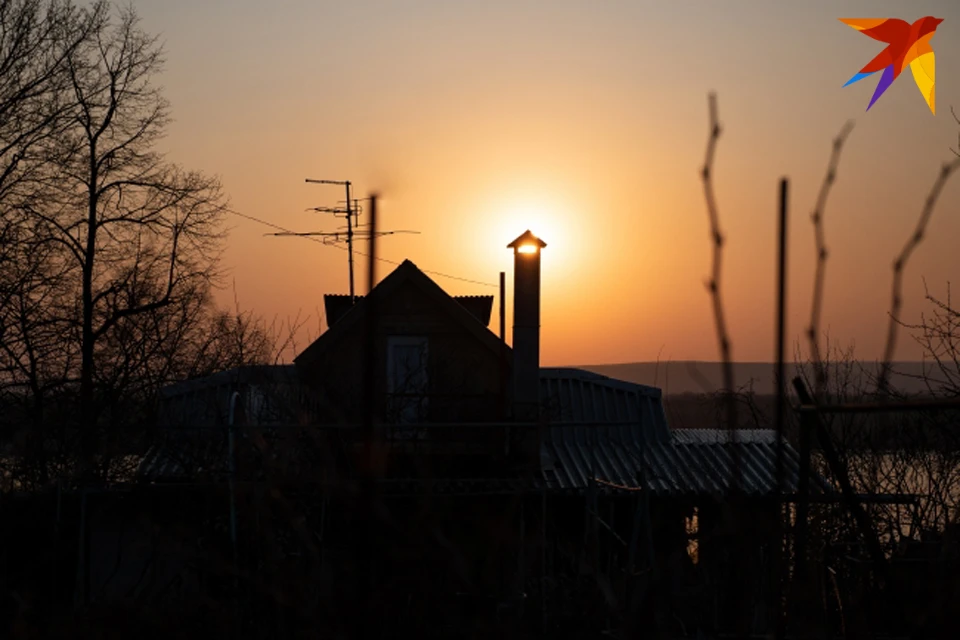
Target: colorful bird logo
<point x="906" y="44"/>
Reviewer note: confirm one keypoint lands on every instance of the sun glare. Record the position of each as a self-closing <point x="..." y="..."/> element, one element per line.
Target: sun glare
<point x="499" y="218"/>
<point x="544" y="218"/>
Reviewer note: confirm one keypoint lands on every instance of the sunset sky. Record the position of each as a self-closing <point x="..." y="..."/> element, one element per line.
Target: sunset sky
<point x="587" y="123"/>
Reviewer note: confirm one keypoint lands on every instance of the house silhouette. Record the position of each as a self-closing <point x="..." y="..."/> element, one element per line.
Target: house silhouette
<point x="595" y="465"/>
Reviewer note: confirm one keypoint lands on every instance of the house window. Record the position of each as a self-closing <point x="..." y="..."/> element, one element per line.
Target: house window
<point x="255" y="405"/>
<point x="407" y="380"/>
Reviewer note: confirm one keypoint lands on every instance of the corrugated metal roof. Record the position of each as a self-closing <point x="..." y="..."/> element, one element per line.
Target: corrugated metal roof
<point x="249" y="374"/>
<point x="690" y="462"/>
<point x="575" y="396"/>
<point x="269" y="393"/>
<point x="617" y="432"/>
<point x="571" y="455"/>
<point x="185" y="460"/>
<point x="702" y="461"/>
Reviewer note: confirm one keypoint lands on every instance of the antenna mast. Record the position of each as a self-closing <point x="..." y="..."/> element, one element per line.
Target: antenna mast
<point x="350" y="220"/>
<point x="351" y="211"/>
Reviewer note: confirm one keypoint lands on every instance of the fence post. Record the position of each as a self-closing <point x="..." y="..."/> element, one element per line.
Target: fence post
<point x="803" y="504"/>
<point x="80" y="590"/>
<point x="232" y="462"/>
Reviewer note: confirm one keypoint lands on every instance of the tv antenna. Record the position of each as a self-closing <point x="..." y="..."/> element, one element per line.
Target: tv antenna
<point x="350" y="210"/>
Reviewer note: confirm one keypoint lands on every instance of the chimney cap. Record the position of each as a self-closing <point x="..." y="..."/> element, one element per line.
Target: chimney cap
<point x="526" y="239"/>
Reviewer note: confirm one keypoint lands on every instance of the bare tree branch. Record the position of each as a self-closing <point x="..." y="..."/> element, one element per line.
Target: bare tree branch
<point x="713" y="285"/>
<point x="817" y="218"/>
<point x="912" y="243"/>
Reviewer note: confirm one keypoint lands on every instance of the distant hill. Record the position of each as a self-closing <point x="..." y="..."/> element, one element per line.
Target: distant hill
<point x="680" y="377"/>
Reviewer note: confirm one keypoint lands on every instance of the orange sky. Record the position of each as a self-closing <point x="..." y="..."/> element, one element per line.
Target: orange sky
<point x="587" y="123"/>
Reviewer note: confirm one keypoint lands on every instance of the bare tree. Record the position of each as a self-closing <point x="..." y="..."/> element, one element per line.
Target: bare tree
<point x="37" y="357"/>
<point x="138" y="230"/>
<point x="108" y="251"/>
<point x="37" y="38"/>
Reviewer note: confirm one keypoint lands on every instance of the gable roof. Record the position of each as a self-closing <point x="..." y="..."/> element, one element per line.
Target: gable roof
<point x="406" y="273"/>
<point x="337" y="304"/>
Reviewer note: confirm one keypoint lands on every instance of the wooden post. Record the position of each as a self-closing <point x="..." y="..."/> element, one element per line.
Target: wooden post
<point x="83" y="557"/>
<point x="778" y="564"/>
<point x="502" y="411"/>
<point x="521" y="580"/>
<point x="543" y="560"/>
<point x="803" y="505"/>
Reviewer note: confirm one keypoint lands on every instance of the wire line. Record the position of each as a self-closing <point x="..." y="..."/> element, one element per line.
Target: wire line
<point x="360" y="253"/>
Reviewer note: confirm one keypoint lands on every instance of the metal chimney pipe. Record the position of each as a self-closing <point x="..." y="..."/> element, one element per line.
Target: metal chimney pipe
<point x="526" y="326"/>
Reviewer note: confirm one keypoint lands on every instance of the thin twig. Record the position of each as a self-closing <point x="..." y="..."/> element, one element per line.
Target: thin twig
<point x="912" y="243"/>
<point x="817" y="218"/>
<point x="714" y="284"/>
<point x="955" y="151"/>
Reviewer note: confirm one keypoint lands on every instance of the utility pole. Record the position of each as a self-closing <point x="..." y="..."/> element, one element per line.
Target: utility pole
<point x="351" y="210"/>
